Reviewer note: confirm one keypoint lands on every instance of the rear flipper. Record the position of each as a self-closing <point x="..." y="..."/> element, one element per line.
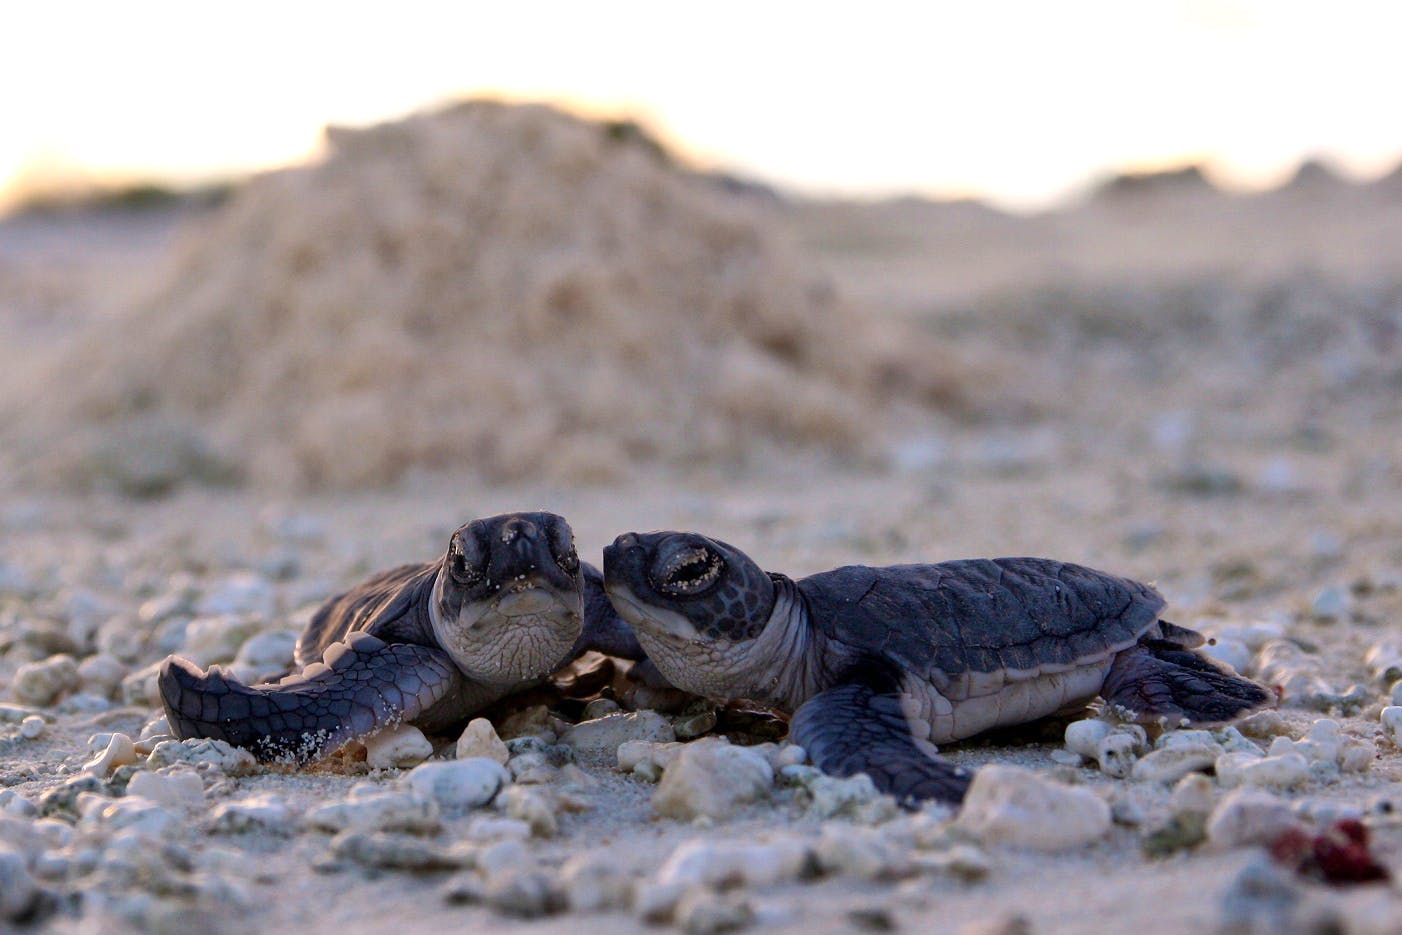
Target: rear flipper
<point x="1160" y="680"/>
<point x="363" y="685"/>
<point x="855" y="728"/>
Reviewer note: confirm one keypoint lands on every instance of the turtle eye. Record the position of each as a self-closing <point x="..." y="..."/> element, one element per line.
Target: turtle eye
<point x="464" y="572"/>
<point x="690" y="571"/>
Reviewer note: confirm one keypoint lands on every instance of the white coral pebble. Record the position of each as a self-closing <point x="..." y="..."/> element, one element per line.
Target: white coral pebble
<point x="1172" y="763"/>
<point x="1286" y="771"/>
<point x="1084" y="737"/>
<point x="177" y="788"/>
<point x="479" y="738"/>
<point x="712" y="778"/>
<point x="1115" y="754"/>
<point x="120" y="751"/>
<point x="1008" y="805"/>
<point x="460" y="784"/>
<point x="1391" y="718"/>
<point x="398" y="746"/>
<point x="734" y="863"/>
<point x="1248" y="816"/>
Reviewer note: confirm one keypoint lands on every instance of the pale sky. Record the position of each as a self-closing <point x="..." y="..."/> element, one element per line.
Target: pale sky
<point x="1019" y="102"/>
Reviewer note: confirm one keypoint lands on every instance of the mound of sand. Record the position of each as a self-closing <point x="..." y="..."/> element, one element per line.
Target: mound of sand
<point x="505" y="289"/>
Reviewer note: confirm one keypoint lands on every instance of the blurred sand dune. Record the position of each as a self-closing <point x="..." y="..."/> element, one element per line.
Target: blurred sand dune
<point x="512" y="292"/>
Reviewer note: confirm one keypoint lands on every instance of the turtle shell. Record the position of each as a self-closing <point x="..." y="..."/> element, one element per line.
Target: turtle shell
<point x="1014" y="617"/>
<point x="386" y="605"/>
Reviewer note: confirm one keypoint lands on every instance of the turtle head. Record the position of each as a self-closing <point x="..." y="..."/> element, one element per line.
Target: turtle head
<point x="508" y="601"/>
<point x="688" y="586"/>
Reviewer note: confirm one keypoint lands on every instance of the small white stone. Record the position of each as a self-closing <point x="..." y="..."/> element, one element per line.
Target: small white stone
<point x="487" y="828"/>
<point x="1394" y="694"/>
<point x="722" y="863"/>
<point x="1233" y="742"/>
<point x="712" y="778"/>
<point x="861" y="852"/>
<point x="218" y="755"/>
<point x="1324" y="813"/>
<point x="1391" y="718"/>
<point x="1192" y="795"/>
<point x="963" y="861"/>
<point x="790" y="754"/>
<point x="1249" y="817"/>
<point x="1331" y="603"/>
<point x="32" y="727"/>
<point x="600" y="707"/>
<point x="1128" y="812"/>
<point x="1232" y="652"/>
<point x="14" y="713"/>
<point x="13" y="803"/>
<point x="479" y="739"/>
<point x="43" y="683"/>
<point x="265" y="655"/>
<point x="631" y="753"/>
<point x="529" y="763"/>
<point x="525" y="894"/>
<point x="396" y="747"/>
<point x="141" y="687"/>
<point x="1185" y="738"/>
<point x="84" y="703"/>
<point x="601" y="737"/>
<point x="647" y="771"/>
<point x="593" y="882"/>
<point x="1083" y="737"/>
<point x="1253" y="635"/>
<point x="1228" y="767"/>
<point x="241" y="593"/>
<point x="460" y="784"/>
<point x="1357" y="756"/>
<point x="531" y="807"/>
<point x="390" y="810"/>
<point x="1066" y="758"/>
<point x="656" y="904"/>
<point x="1263" y="725"/>
<point x="1172" y="763"/>
<point x="268" y="814"/>
<point x="1116" y="754"/>
<point x="1383" y="660"/>
<point x="175" y="788"/>
<point x="1009" y="805"/>
<point x="534" y="721"/>
<point x="854" y="797"/>
<point x="102" y="674"/>
<point x="701" y="911"/>
<point x="158" y="726"/>
<point x="1285" y="771"/>
<point x="141" y="816"/>
<point x="17" y="889"/>
<point x="209" y="640"/>
<point x="502" y="857"/>
<point x="120" y="751"/>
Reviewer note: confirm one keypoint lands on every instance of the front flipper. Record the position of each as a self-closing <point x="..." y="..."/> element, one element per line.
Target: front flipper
<point x="854" y="728"/>
<point x="361" y="686"/>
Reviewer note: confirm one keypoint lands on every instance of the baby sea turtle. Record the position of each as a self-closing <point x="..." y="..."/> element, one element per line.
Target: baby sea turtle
<point x="508" y="603"/>
<point x="879" y="664"/>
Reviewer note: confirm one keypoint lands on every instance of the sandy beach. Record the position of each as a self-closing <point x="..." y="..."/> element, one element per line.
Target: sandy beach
<point x="1190" y="388"/>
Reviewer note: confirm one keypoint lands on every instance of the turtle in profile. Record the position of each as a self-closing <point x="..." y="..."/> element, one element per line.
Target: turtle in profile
<point x="508" y="603"/>
<point x="877" y="665"/>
